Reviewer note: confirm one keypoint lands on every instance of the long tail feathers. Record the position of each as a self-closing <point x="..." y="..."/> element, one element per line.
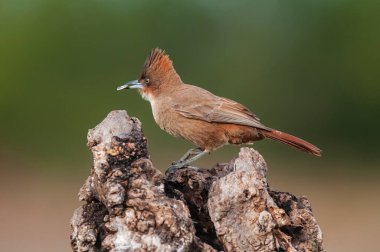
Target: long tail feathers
<point x="292" y="141"/>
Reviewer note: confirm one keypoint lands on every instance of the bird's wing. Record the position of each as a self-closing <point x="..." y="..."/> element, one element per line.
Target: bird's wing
<point x="197" y="103"/>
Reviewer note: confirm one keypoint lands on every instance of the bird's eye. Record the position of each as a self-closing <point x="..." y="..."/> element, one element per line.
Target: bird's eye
<point x="147" y="81"/>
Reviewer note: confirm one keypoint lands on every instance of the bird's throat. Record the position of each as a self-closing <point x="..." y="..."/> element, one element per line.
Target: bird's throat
<point x="145" y="95"/>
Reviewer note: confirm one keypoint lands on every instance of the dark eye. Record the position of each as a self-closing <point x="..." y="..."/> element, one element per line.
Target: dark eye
<point x="147" y="80"/>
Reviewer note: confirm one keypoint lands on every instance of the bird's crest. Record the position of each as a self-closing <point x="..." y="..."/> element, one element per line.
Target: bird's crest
<point x="158" y="61"/>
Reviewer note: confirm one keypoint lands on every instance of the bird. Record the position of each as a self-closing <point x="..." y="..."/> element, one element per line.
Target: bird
<point x="206" y="120"/>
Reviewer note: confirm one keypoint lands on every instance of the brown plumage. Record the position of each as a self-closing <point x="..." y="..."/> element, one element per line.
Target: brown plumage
<point x="195" y="114"/>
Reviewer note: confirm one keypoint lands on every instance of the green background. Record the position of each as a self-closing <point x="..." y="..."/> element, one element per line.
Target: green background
<point x="309" y="68"/>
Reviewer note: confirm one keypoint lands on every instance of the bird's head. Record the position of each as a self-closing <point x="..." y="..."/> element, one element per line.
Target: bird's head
<point x="158" y="75"/>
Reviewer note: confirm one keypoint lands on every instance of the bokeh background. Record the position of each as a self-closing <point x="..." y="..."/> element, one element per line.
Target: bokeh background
<point x="310" y="68"/>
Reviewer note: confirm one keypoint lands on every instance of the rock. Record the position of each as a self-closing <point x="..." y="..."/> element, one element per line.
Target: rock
<point x="131" y="206"/>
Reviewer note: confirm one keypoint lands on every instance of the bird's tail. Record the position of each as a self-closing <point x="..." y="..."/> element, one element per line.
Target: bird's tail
<point x="292" y="141"/>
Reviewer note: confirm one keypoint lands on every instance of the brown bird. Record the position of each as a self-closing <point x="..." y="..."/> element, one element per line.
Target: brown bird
<point x="206" y="120"/>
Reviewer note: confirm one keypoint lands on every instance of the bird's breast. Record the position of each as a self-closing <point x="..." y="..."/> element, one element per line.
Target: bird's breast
<point x="162" y="114"/>
<point x="157" y="106"/>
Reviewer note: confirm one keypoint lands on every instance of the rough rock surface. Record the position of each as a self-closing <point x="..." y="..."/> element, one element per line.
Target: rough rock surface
<point x="127" y="209"/>
<point x="131" y="206"/>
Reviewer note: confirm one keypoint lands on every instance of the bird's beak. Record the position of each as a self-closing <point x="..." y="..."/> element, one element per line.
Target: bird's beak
<point x="131" y="84"/>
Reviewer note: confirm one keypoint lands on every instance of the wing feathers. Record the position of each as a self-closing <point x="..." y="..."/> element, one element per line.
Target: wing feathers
<point x="214" y="109"/>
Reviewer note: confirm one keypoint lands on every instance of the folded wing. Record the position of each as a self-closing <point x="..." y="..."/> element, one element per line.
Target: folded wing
<point x="211" y="108"/>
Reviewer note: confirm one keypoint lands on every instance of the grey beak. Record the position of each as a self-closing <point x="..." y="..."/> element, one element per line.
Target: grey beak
<point x="131" y="84"/>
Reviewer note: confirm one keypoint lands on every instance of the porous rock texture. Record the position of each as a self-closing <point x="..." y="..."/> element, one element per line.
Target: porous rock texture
<point x="131" y="206"/>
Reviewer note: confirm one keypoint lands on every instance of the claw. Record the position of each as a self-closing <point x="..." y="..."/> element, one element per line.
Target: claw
<point x="175" y="163"/>
<point x="185" y="160"/>
<point x="175" y="166"/>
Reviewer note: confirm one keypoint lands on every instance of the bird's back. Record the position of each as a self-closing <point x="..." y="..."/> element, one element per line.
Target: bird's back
<point x="197" y="103"/>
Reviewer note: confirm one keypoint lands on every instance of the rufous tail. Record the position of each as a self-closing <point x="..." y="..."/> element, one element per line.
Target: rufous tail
<point x="292" y="141"/>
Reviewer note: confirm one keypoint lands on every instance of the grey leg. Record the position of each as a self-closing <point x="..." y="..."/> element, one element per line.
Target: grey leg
<point x="189" y="157"/>
<point x="192" y="159"/>
<point x="188" y="154"/>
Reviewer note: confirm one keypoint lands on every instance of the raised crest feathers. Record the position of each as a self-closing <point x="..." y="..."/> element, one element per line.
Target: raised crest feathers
<point x="158" y="60"/>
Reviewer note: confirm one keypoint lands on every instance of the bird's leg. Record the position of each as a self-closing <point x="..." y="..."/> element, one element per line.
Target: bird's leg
<point x="192" y="159"/>
<point x="190" y="156"/>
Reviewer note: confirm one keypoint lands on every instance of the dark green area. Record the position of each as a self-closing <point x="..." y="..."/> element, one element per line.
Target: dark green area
<point x="310" y="68"/>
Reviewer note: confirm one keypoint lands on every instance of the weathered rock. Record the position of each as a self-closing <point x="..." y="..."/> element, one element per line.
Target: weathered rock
<point x="131" y="206"/>
<point x="247" y="218"/>
<point x="127" y="209"/>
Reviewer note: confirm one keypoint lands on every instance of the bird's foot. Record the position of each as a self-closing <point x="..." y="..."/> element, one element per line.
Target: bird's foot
<point x="175" y="166"/>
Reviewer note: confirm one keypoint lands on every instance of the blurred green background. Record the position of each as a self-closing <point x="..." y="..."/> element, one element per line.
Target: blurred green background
<point x="310" y="68"/>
